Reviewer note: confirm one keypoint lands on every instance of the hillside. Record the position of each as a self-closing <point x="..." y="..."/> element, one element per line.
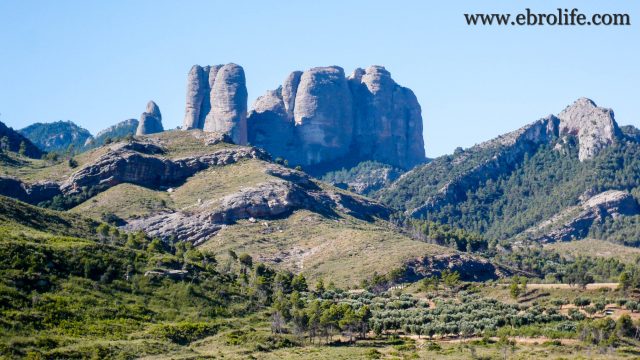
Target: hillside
<point x="531" y="177"/>
<point x="192" y="186"/>
<point x="13" y="141"/>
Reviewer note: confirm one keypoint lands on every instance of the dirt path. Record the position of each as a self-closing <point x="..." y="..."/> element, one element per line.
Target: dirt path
<point x="516" y="339"/>
<point x="594" y="286"/>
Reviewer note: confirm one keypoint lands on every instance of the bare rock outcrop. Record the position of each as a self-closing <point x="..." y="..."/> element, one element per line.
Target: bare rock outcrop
<point x="130" y="163"/>
<point x="150" y="120"/>
<point x="217" y="101"/>
<point x="319" y="116"/>
<point x="594" y="126"/>
<point x="388" y="119"/>
<point x="574" y="223"/>
<point x="29" y="193"/>
<point x="274" y="198"/>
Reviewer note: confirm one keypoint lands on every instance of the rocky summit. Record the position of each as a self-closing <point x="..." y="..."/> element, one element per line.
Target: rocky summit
<point x="320" y="116"/>
<point x="594" y="126"/>
<point x="150" y="120"/>
<point x="217" y="101"/>
<point x="317" y="117"/>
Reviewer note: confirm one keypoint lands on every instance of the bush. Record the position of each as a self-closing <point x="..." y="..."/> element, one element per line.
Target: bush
<point x="185" y="332"/>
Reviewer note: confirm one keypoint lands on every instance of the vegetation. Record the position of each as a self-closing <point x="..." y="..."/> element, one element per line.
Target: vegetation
<point x="544" y="183"/>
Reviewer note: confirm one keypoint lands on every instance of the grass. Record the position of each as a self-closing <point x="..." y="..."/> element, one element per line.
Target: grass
<point x="344" y="250"/>
<point x="179" y="143"/>
<point x="126" y="201"/>
<point x="217" y="182"/>
<point x="596" y="248"/>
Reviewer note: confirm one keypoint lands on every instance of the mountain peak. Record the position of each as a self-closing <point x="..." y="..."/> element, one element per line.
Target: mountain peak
<point x="594" y="126"/>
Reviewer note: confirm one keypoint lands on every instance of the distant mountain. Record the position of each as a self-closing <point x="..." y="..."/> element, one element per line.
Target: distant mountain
<point x="546" y="181"/>
<point x="57" y="136"/>
<point x="364" y="178"/>
<point x="114" y="132"/>
<point x="12" y="140"/>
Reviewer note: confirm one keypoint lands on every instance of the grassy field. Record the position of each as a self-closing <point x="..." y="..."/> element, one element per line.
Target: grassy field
<point x="126" y="201"/>
<point x="596" y="248"/>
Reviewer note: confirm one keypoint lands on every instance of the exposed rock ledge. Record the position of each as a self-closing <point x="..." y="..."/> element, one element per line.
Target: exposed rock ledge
<point x="29" y="193"/>
<point x="130" y="164"/>
<point x="574" y="223"/>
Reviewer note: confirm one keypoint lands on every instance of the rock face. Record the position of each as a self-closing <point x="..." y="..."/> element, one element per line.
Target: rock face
<point x="217" y="101"/>
<point x="29" y="193"/>
<point x="320" y="116"/>
<point x="594" y="126"/>
<point x="388" y="119"/>
<point x="574" y="223"/>
<point x="150" y="120"/>
<point x="132" y="163"/>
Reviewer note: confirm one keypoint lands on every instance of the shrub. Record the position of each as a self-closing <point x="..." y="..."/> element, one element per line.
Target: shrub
<point x="185" y="332"/>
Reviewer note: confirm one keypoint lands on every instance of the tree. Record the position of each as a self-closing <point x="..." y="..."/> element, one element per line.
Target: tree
<point x="364" y="316"/>
<point x="624" y="281"/>
<point x="4" y="144"/>
<point x="624" y="326"/>
<point x="514" y="288"/>
<point x="246" y="262"/>
<point x="581" y="302"/>
<point x="299" y="283"/>
<point x="314" y="313"/>
<point x="23" y="148"/>
<point x="320" y="287"/>
<point x="450" y="279"/>
<point x="103" y="231"/>
<point x="73" y="163"/>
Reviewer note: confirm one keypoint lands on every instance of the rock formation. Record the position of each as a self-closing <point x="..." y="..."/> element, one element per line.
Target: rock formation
<point x="132" y="163"/>
<point x="29" y="193"/>
<point x="217" y="101"/>
<point x="320" y="116"/>
<point x="388" y="119"/>
<point x="150" y="120"/>
<point x="594" y="126"/>
<point x="575" y="222"/>
<point x="294" y="190"/>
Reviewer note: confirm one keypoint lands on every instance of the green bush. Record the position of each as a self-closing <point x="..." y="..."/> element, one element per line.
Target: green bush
<point x="185" y="332"/>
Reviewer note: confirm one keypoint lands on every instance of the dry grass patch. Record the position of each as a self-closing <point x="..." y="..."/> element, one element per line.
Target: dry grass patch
<point x="344" y="250"/>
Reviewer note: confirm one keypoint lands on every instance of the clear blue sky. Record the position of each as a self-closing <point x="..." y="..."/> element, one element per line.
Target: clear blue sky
<point x="99" y="62"/>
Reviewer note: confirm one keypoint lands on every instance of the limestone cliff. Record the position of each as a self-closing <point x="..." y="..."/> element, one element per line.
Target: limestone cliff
<point x="217" y="101"/>
<point x="319" y="116"/>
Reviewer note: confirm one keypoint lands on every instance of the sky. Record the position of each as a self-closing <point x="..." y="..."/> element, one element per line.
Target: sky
<point x="99" y="62"/>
